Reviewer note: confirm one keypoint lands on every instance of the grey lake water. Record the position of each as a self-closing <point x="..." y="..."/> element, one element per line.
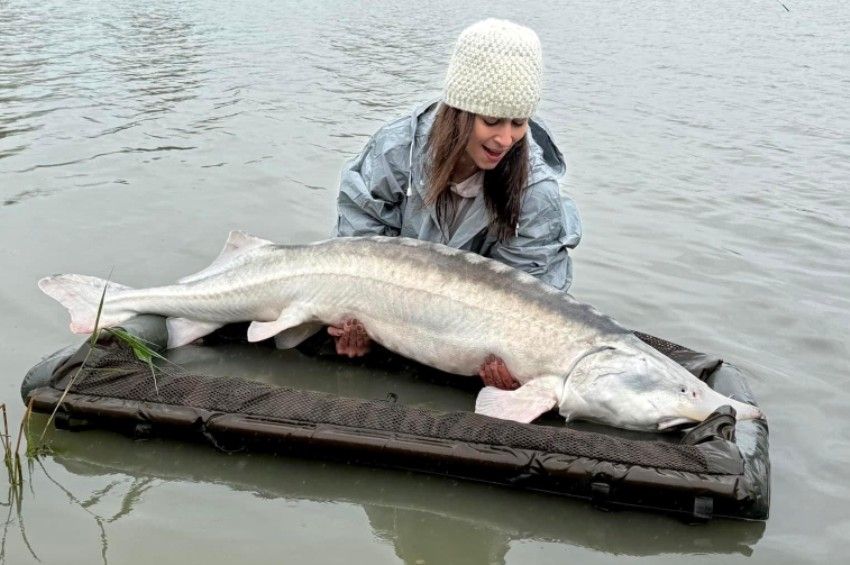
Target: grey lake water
<point x="708" y="147"/>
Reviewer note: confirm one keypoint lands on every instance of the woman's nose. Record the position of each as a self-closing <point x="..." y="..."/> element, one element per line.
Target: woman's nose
<point x="504" y="135"/>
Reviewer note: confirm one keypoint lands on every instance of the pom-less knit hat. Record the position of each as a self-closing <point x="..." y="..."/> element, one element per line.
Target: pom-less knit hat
<point x="495" y="70"/>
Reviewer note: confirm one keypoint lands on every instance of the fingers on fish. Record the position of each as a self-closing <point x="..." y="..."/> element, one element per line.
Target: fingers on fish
<point x="494" y="372"/>
<point x="351" y="338"/>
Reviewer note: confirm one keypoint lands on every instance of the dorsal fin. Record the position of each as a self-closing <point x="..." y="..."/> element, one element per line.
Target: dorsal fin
<point x="238" y="242"/>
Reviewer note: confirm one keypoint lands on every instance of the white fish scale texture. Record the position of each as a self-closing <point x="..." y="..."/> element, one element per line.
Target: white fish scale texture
<point x="429" y="303"/>
<point x="419" y="325"/>
<point x="439" y="317"/>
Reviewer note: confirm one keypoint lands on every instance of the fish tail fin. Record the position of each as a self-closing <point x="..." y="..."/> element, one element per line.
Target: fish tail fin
<point x="81" y="295"/>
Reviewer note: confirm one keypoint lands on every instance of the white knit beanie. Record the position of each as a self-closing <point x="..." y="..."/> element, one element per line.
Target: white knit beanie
<point x="496" y="70"/>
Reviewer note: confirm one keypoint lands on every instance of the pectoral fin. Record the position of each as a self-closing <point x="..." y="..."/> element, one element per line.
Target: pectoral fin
<point x="288" y="319"/>
<point x="288" y="339"/>
<point x="521" y="405"/>
<point x="182" y="330"/>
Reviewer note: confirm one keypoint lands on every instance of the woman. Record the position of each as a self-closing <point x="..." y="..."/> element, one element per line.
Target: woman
<point x="473" y="171"/>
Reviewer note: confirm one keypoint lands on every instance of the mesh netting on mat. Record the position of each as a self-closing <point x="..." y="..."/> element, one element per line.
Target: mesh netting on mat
<point x="116" y="373"/>
<point x="662" y="345"/>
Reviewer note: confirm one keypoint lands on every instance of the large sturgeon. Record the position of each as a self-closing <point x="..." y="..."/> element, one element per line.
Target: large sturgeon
<point x="443" y="307"/>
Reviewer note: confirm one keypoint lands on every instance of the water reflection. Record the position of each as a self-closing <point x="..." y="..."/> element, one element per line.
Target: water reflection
<point x="426" y="519"/>
<point x="14" y="516"/>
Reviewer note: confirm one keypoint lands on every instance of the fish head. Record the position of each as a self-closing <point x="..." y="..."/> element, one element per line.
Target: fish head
<point x="635" y="387"/>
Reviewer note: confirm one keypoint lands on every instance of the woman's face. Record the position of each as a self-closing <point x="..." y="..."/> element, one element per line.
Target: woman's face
<point x="492" y="138"/>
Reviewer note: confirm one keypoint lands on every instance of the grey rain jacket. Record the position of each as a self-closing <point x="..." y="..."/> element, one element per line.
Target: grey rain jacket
<point x="382" y="192"/>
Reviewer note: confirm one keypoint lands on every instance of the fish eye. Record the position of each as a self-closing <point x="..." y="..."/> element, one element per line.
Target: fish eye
<point x="684" y="390"/>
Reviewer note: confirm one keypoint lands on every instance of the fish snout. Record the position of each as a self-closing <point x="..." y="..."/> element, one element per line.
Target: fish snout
<point x="744" y="411"/>
<point x="711" y="400"/>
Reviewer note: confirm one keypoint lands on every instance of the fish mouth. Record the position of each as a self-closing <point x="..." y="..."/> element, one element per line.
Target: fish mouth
<point x="676" y="423"/>
<point x="743" y="411"/>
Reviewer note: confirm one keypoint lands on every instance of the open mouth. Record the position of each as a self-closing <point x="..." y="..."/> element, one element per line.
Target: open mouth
<point x="493" y="155"/>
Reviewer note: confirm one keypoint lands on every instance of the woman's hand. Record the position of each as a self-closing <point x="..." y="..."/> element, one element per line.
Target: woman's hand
<point x="494" y="373"/>
<point x="351" y="338"/>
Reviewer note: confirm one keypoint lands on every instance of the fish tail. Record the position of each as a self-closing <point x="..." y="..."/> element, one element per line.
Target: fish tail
<point x="82" y="295"/>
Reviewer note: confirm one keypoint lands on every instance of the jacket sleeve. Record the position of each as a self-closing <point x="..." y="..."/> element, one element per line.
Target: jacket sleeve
<point x="372" y="188"/>
<point x="549" y="226"/>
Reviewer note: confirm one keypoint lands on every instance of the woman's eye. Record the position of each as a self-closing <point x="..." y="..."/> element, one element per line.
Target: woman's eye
<point x="491" y="121"/>
<point x="519" y="123"/>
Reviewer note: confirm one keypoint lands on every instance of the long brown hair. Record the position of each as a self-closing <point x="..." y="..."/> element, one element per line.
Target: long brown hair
<point x="504" y="186"/>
